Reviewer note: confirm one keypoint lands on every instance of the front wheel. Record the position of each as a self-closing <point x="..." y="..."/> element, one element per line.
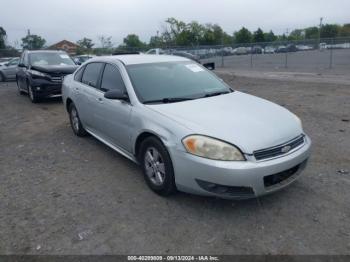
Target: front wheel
<point x="33" y="96"/>
<point x="157" y="167"/>
<point x="2" y="78"/>
<point x="19" y="88"/>
<point x="75" y="122"/>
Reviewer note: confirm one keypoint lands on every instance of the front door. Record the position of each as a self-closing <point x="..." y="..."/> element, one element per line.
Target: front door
<point x="112" y="117"/>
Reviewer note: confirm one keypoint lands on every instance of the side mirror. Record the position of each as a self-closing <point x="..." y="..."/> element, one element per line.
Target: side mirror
<point x="7" y="64"/>
<point x="21" y="65"/>
<point x="116" y="95"/>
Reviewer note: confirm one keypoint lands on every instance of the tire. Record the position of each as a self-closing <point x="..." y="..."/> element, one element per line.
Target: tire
<point x="157" y="167"/>
<point x="19" y="89"/>
<point x="75" y="122"/>
<point x="2" y="78"/>
<point x="34" y="98"/>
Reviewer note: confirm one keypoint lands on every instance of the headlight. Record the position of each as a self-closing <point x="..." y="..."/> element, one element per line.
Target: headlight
<point x="36" y="73"/>
<point x="211" y="148"/>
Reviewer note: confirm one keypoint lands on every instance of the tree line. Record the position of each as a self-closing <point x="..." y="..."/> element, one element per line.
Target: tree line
<point x="179" y="33"/>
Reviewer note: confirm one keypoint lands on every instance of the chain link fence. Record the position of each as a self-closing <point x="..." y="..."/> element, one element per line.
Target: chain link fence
<point x="303" y="56"/>
<point x="306" y="55"/>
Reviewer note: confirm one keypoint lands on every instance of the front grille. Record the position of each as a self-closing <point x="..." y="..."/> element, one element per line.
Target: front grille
<point x="230" y="191"/>
<point x="282" y="177"/>
<point x="280" y="149"/>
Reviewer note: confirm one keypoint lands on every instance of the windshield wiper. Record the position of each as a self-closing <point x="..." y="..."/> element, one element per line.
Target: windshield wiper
<point x="217" y="93"/>
<point x="168" y="100"/>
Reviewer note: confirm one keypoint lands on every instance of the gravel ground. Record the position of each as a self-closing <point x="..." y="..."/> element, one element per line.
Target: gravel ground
<point x="60" y="194"/>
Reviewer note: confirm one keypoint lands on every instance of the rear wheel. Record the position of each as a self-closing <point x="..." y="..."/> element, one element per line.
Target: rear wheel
<point x="75" y="122"/>
<point x="2" y="78"/>
<point x="157" y="167"/>
<point x="33" y="96"/>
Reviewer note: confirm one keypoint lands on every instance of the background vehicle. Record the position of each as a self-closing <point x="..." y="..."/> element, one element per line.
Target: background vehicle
<point x="257" y="50"/>
<point x="156" y="51"/>
<point x="291" y="48"/>
<point x="8" y="70"/>
<point x="40" y="73"/>
<point x="269" y="50"/>
<point x="80" y="59"/>
<point x="5" y="60"/>
<point x="240" y="51"/>
<point x="162" y="112"/>
<point x="187" y="55"/>
<point x="281" y="49"/>
<point x="304" y="47"/>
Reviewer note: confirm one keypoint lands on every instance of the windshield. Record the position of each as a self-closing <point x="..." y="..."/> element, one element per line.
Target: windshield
<point x="169" y="80"/>
<point x="50" y="59"/>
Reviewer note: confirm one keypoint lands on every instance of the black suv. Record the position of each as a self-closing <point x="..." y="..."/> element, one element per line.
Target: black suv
<point x="40" y="73"/>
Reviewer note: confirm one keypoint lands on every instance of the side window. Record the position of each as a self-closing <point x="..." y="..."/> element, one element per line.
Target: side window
<point x="112" y="79"/>
<point x="79" y="74"/>
<point x="91" y="74"/>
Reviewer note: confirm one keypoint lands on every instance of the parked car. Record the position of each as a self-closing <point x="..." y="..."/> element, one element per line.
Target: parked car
<point x="304" y="47"/>
<point x="256" y="50"/>
<point x="240" y="51"/>
<point x="187" y="129"/>
<point x="8" y="70"/>
<point x="291" y="48"/>
<point x="5" y="60"/>
<point x="269" y="50"/>
<point x="281" y="49"/>
<point x="40" y="73"/>
<point x="80" y="59"/>
<point x="156" y="51"/>
<point x="187" y="55"/>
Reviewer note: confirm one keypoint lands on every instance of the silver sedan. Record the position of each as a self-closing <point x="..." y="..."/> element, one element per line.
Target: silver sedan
<point x="187" y="129"/>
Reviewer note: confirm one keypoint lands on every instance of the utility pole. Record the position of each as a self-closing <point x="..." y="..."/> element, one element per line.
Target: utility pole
<point x="30" y="42"/>
<point x="319" y="32"/>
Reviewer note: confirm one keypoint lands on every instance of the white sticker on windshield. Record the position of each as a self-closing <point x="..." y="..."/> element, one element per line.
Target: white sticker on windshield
<point x="64" y="56"/>
<point x="194" y="68"/>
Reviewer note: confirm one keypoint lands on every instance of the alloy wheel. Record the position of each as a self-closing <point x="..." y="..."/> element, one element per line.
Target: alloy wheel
<point x="75" y="119"/>
<point x="31" y="93"/>
<point x="154" y="166"/>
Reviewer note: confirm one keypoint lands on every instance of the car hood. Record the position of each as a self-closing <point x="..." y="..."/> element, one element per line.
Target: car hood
<point x="57" y="69"/>
<point x="249" y="122"/>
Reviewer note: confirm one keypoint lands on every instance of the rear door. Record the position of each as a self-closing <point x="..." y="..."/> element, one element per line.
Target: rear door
<point x="112" y="117"/>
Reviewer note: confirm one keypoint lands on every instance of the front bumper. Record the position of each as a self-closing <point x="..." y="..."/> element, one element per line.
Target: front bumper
<point x="191" y="171"/>
<point x="45" y="88"/>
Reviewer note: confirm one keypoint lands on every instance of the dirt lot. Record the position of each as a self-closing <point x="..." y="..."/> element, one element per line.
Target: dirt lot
<point x="60" y="194"/>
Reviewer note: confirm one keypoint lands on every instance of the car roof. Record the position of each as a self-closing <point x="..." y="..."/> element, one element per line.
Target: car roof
<point x="139" y="59"/>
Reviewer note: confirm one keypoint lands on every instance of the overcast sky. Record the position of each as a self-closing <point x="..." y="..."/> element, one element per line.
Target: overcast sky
<point x="75" y="19"/>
